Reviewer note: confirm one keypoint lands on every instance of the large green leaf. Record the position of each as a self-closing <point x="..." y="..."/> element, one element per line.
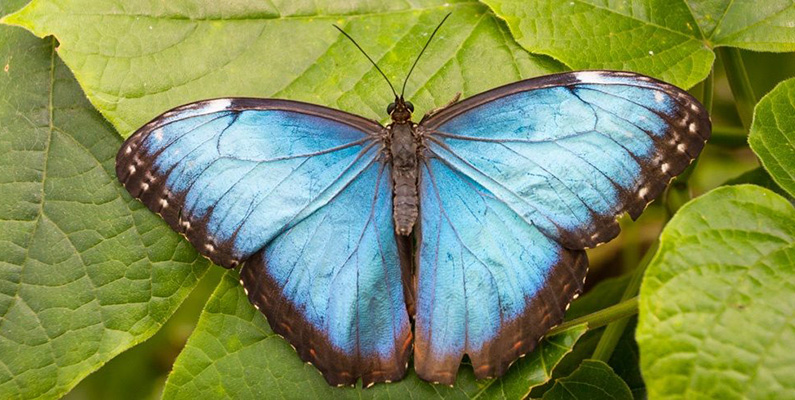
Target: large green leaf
<point x="85" y="271"/>
<point x="593" y="380"/>
<point x="136" y="59"/>
<point x="671" y="40"/>
<point x="717" y="314"/>
<point x="747" y="24"/>
<point x="234" y="354"/>
<point x="773" y="134"/>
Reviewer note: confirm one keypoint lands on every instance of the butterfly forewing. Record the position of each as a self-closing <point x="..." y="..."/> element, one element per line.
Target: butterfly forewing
<point x="230" y="174"/>
<point x="571" y="152"/>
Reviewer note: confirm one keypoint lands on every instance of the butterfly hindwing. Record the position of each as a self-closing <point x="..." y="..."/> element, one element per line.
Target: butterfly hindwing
<point x="490" y="284"/>
<point x="571" y="152"/>
<point x="331" y="285"/>
<point x="232" y="173"/>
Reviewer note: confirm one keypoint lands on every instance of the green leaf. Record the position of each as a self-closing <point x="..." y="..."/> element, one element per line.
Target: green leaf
<point x="535" y="369"/>
<point x="717" y="310"/>
<point x="234" y="354"/>
<point x="772" y="135"/>
<point x="624" y="361"/>
<point x="9" y="6"/>
<point x="85" y="271"/>
<point x="140" y="59"/>
<point x="593" y="380"/>
<point x="671" y="40"/>
<point x="751" y="25"/>
<point x="658" y="38"/>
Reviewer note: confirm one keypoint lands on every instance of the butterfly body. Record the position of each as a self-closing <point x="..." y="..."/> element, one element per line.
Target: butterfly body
<point x="404" y="153"/>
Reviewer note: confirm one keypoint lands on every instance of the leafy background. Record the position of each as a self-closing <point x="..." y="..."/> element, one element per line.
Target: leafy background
<point x="87" y="273"/>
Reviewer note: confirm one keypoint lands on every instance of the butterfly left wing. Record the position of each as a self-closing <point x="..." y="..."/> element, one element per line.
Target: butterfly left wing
<point x="516" y="182"/>
<point x="299" y="193"/>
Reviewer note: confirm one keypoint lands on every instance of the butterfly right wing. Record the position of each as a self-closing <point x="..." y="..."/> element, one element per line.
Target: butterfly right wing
<point x="516" y="182"/>
<point x="230" y="174"/>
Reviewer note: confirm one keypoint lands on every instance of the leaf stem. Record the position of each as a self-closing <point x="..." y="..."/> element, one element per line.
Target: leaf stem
<point x="609" y="340"/>
<point x="729" y="136"/>
<point x="709" y="91"/>
<point x="598" y="319"/>
<point x="742" y="90"/>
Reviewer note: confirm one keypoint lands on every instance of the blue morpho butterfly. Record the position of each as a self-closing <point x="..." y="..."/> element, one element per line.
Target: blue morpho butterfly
<point x="471" y="224"/>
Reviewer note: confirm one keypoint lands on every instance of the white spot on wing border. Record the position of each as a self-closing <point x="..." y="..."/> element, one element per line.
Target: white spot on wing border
<point x="592" y="77"/>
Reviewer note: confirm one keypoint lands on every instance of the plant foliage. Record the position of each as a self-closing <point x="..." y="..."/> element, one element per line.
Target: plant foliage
<point x="86" y="272"/>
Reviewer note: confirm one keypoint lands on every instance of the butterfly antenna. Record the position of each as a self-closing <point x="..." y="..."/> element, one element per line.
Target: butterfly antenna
<point x="422" y="51"/>
<point x="368" y="57"/>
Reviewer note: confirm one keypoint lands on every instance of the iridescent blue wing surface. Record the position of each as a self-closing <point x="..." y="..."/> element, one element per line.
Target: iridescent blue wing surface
<point x="551" y="163"/>
<point x="300" y="194"/>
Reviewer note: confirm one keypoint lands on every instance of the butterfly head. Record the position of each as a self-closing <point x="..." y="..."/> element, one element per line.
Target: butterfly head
<point x="400" y="110"/>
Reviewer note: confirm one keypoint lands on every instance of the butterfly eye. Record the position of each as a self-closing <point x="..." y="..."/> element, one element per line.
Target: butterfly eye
<point x="410" y="106"/>
<point x="390" y="108"/>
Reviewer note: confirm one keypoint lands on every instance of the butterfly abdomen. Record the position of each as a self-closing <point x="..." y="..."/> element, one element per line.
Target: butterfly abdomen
<point x="405" y="203"/>
<point x="403" y="149"/>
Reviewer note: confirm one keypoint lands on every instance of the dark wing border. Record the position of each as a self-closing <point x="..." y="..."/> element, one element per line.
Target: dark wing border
<point x="237" y="104"/>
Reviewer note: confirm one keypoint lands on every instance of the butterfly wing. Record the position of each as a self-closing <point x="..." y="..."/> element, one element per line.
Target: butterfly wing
<point x="297" y="192"/>
<point x="331" y="285"/>
<point x="230" y="174"/>
<point x="517" y="181"/>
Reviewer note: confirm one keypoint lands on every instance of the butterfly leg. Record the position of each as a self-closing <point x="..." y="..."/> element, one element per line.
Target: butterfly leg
<point x="437" y="109"/>
<point x="386" y="139"/>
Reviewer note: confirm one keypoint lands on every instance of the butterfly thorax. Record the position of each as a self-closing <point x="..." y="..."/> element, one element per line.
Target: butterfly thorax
<point x="403" y="152"/>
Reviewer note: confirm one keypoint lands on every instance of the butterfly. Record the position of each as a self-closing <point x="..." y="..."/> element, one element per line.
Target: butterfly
<point x="462" y="234"/>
